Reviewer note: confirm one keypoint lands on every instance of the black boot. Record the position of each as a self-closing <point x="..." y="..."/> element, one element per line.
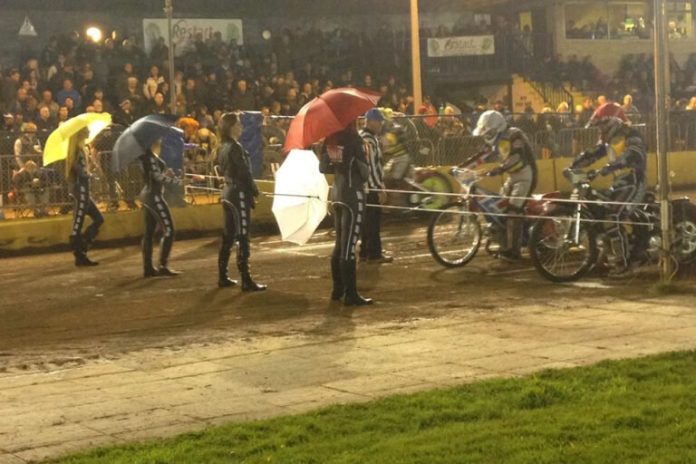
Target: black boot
<point x="89" y="236"/>
<point x="248" y="284"/>
<point x="81" y="259"/>
<point x="223" y="261"/>
<point x="148" y="269"/>
<point x="338" y="290"/>
<point x="352" y="297"/>
<point x="165" y="249"/>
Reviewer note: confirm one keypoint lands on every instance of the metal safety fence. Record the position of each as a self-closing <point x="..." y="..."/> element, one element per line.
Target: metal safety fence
<point x="28" y="189"/>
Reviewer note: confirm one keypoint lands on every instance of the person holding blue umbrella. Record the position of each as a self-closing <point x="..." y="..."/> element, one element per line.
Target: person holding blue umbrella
<point x="238" y="199"/>
<point x="143" y="142"/>
<point x="156" y="211"/>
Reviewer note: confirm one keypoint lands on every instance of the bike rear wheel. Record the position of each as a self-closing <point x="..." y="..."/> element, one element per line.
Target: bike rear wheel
<point x="454" y="236"/>
<point x="555" y="253"/>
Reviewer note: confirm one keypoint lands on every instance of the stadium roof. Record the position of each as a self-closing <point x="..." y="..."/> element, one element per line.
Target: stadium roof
<point x="242" y="6"/>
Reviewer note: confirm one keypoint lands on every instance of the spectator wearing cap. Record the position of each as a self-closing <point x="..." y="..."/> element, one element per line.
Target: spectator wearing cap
<point x="8" y="122"/>
<point x="371" y="246"/>
<point x="27" y="146"/>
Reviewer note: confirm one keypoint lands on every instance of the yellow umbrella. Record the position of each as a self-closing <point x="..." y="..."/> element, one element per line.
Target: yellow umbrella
<point x="57" y="144"/>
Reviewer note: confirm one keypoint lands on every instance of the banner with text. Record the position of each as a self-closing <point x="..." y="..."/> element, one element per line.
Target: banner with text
<point x="185" y="31"/>
<point x="461" y="46"/>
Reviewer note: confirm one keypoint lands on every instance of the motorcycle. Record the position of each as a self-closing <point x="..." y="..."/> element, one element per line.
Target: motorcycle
<point x="566" y="245"/>
<point x="421" y="183"/>
<point x="404" y="152"/>
<point x="456" y="234"/>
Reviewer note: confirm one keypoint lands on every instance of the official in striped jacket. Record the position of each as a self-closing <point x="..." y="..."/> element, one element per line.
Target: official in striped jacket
<point x="371" y="247"/>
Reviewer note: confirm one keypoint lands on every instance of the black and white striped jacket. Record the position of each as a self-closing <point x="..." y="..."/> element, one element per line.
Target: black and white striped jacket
<point x="373" y="150"/>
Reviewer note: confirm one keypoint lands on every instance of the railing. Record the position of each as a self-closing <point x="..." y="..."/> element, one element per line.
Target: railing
<point x="431" y="140"/>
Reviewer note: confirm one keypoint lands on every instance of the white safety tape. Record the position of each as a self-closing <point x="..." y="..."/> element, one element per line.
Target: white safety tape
<point x="507" y="215"/>
<point x="472" y="213"/>
<point x="500" y="197"/>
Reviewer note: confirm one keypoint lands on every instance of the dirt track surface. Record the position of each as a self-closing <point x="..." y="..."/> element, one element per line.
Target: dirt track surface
<point x="100" y="355"/>
<point x="54" y="314"/>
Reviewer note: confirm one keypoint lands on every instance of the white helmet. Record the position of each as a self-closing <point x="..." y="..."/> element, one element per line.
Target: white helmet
<point x="490" y="124"/>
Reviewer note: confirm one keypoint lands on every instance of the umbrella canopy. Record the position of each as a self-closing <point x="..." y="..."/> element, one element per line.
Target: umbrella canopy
<point x="173" y="147"/>
<point x="138" y="138"/>
<point x="57" y="144"/>
<point x="301" y="193"/>
<point x="327" y="114"/>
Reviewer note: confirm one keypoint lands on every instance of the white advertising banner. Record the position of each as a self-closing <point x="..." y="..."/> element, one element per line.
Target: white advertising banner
<point x="185" y="30"/>
<point x="461" y="46"/>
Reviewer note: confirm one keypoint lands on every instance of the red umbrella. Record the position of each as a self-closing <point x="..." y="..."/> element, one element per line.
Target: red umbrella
<point x="327" y="114"/>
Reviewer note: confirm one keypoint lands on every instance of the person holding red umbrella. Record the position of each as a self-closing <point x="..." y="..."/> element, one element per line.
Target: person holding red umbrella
<point x="333" y="116"/>
<point x="343" y="156"/>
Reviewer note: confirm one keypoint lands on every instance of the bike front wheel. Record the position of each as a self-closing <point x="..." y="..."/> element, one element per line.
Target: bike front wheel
<point x="560" y="252"/>
<point x="454" y="236"/>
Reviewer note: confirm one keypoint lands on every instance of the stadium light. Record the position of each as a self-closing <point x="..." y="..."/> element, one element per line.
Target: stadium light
<point x="94" y="34"/>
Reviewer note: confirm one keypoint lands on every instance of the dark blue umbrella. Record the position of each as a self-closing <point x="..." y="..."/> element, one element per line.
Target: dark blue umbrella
<point x="173" y="149"/>
<point x="140" y="136"/>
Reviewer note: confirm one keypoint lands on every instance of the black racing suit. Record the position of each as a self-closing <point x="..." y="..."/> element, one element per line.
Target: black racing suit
<point x="84" y="205"/>
<point x="628" y="186"/>
<point x="155" y="209"/>
<point x="351" y="172"/>
<point x="238" y="199"/>
<point x="520" y="165"/>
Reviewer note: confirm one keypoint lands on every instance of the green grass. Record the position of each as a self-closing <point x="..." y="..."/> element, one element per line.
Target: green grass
<point x="631" y="411"/>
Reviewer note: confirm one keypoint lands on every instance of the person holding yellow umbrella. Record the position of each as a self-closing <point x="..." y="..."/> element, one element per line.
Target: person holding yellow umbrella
<point x="69" y="142"/>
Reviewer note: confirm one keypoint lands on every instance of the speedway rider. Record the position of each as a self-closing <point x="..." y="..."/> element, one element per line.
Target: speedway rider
<point x="626" y="152"/>
<point x="519" y="163"/>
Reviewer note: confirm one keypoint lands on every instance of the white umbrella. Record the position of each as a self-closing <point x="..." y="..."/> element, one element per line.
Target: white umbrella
<point x="301" y="191"/>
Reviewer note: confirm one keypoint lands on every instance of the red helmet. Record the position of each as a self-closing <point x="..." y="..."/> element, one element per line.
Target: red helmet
<point x="608" y="118"/>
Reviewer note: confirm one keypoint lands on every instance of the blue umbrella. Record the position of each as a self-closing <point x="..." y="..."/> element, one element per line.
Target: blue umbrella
<point x="173" y="149"/>
<point x="135" y="141"/>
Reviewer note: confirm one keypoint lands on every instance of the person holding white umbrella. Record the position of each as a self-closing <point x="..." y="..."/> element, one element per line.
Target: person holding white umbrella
<point x="238" y="199"/>
<point x="343" y="156"/>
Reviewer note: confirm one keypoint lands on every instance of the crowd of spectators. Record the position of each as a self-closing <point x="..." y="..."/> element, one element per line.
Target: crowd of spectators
<point x="72" y="75"/>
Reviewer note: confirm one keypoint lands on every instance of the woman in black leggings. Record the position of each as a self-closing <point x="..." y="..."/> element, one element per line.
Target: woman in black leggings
<point x="343" y="155"/>
<point x="156" y="211"/>
<point x="238" y="199"/>
<point x="78" y="175"/>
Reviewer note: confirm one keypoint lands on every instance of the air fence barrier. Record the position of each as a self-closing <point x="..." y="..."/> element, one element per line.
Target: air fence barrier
<point x="432" y="140"/>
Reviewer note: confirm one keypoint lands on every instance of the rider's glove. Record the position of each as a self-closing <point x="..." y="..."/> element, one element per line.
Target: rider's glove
<point x="605" y="171"/>
<point x="494" y="172"/>
<point x="567" y="172"/>
<point x="592" y="174"/>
